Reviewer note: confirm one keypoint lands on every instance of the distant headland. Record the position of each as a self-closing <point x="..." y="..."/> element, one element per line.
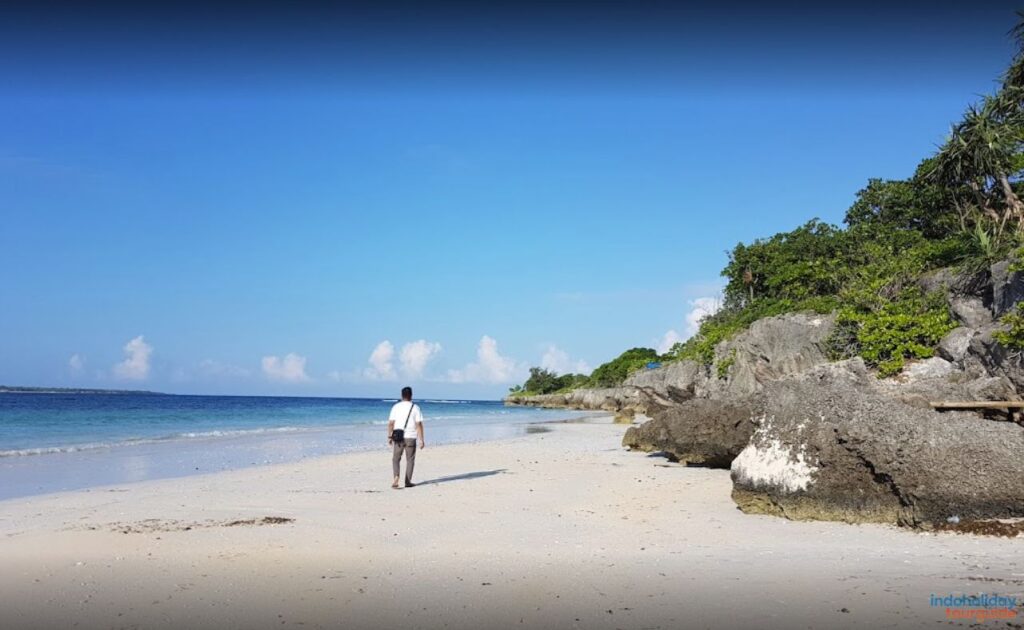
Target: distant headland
<point x="9" y="389"/>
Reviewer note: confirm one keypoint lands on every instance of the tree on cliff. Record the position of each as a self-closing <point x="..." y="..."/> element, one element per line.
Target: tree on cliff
<point x="615" y="371"/>
<point x="982" y="156"/>
<point x="542" y="381"/>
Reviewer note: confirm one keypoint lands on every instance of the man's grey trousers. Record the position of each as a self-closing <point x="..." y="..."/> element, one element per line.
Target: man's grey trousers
<point x="409" y="446"/>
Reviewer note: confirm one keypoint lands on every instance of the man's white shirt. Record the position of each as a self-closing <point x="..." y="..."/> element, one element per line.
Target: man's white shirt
<point x="400" y="411"/>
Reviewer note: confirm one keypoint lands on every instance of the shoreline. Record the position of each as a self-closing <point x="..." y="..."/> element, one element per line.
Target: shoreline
<point x="552" y="529"/>
<point x="80" y="467"/>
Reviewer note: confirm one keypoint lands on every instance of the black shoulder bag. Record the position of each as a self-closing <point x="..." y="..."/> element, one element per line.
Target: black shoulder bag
<point x="398" y="435"/>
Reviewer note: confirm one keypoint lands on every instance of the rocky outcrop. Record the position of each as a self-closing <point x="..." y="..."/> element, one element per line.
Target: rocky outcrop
<point x="1007" y="287"/>
<point x="701" y="431"/>
<point x="970" y="310"/>
<point x="955" y="344"/>
<point x="987" y="353"/>
<point x="833" y="452"/>
<point x="673" y="383"/>
<point x="807" y="438"/>
<point x="771" y="349"/>
<point x="608" y="399"/>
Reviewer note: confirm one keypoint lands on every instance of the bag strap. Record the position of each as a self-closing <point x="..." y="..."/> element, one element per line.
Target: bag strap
<point x="411" y="406"/>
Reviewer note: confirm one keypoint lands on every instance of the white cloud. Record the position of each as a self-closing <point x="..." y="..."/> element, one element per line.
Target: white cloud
<point x="490" y="366"/>
<point x="699" y="309"/>
<point x="291" y="368"/>
<point x="135" y="366"/>
<point x="670" y="339"/>
<point x="415" y="356"/>
<point x="76" y="363"/>
<point x="557" y="360"/>
<point x="382" y="362"/>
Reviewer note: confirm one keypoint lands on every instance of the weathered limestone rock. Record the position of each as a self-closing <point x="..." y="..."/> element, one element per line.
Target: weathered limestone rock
<point x="995" y="358"/>
<point x="838" y="453"/>
<point x="970" y="310"/>
<point x="771" y="349"/>
<point x="850" y="372"/>
<point x="701" y="431"/>
<point x="955" y="344"/>
<point x="939" y="280"/>
<point x="935" y="367"/>
<point x="1007" y="287"/>
<point x="673" y="383"/>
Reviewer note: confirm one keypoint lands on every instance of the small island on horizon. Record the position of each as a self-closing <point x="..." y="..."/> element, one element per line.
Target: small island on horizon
<point x="13" y="389"/>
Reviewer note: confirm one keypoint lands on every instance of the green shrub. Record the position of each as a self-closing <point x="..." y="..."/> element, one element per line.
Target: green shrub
<point x="728" y="322"/>
<point x="1012" y="338"/>
<point x="722" y="367"/>
<point x="908" y="327"/>
<point x="614" y="372"/>
<point x="543" y="381"/>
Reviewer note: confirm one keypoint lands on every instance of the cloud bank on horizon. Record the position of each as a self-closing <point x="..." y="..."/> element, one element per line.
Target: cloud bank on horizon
<point x="386" y="363"/>
<point x="291" y="368"/>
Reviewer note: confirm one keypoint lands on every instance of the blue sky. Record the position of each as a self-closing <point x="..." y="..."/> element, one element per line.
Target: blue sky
<point x="339" y="204"/>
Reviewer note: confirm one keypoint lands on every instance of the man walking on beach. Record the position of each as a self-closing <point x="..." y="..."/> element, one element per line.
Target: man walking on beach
<point x="405" y="416"/>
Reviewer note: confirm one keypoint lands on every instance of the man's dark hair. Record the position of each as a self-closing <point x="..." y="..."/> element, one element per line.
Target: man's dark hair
<point x="406" y="393"/>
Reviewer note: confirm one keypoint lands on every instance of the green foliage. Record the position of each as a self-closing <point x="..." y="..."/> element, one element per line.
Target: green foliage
<point x="615" y="371"/>
<point x="728" y="322"/>
<point x="788" y="266"/>
<point x="863" y="271"/>
<point x="543" y="381"/>
<point x="722" y="367"/>
<point x="917" y="204"/>
<point x="907" y="327"/>
<point x="1013" y="337"/>
<point x="981" y="160"/>
<point x="1017" y="260"/>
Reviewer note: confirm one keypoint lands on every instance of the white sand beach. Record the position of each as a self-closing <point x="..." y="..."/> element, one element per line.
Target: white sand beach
<point x="558" y="529"/>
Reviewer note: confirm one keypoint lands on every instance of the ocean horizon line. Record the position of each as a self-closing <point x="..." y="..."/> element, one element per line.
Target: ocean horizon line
<point x="10" y="389"/>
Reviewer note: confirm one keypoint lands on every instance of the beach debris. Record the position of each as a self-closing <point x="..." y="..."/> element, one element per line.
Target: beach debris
<point x="155" y="525"/>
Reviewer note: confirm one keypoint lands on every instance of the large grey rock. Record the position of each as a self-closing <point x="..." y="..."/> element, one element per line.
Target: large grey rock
<point x="671" y="383"/>
<point x="613" y="399"/>
<point x="772" y="348"/>
<point x="997" y="359"/>
<point x="991" y="388"/>
<point x="935" y="367"/>
<point x="970" y="310"/>
<point x="956" y="282"/>
<point x="1007" y="287"/>
<point x="851" y="372"/>
<point x="701" y="431"/>
<point x="938" y="280"/>
<point x="605" y="399"/>
<point x="955" y="344"/>
<point x="957" y="386"/>
<point x="832" y="452"/>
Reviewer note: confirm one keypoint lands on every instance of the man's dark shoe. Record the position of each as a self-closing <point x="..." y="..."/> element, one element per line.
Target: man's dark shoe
<point x="409" y="484"/>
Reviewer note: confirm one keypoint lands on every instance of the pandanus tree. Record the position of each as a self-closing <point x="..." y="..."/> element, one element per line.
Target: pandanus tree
<point x="1014" y="75"/>
<point x="982" y="156"/>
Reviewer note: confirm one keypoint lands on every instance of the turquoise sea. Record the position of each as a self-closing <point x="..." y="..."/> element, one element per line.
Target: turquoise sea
<point x="55" y="442"/>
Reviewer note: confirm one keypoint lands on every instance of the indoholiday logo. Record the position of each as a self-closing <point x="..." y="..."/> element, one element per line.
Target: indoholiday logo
<point x="980" y="608"/>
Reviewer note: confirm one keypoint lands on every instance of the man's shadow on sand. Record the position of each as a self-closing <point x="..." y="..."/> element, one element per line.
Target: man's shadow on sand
<point x="463" y="476"/>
